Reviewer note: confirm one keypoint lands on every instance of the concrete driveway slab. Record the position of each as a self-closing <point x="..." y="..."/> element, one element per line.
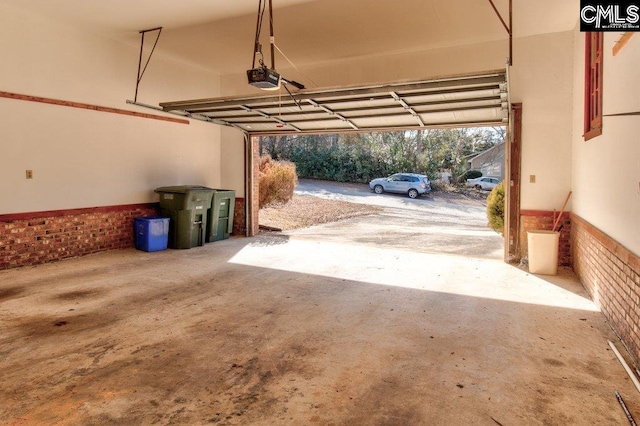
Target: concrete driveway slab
<point x="436" y="223"/>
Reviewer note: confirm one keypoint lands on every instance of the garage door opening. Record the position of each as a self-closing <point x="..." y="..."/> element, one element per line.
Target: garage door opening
<point x="335" y="172"/>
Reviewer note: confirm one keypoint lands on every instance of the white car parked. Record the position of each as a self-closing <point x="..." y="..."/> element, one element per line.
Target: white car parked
<point x="483" y="182"/>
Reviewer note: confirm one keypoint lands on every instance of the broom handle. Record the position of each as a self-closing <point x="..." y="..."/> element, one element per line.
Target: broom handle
<point x="555" y="225"/>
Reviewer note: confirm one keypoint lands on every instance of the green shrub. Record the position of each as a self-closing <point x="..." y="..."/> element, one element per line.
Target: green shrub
<point x="278" y="179"/>
<point x="495" y="208"/>
<point x="469" y="174"/>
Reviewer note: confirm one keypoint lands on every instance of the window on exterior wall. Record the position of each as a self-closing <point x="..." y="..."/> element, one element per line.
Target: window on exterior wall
<point x="593" y="85"/>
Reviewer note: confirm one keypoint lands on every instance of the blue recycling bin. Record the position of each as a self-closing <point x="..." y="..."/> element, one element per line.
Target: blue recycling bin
<point x="152" y="233"/>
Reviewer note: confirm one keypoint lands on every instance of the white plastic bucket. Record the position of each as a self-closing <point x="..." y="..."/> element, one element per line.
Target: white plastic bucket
<point x="543" y="252"/>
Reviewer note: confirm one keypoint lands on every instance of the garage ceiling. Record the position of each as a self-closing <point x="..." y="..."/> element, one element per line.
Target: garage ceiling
<point x="218" y="35"/>
<point x="479" y="100"/>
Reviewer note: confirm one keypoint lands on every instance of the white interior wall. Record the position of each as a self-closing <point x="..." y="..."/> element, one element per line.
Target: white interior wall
<point x="85" y="158"/>
<point x="232" y="168"/>
<point x="606" y="169"/>
<point x="541" y="79"/>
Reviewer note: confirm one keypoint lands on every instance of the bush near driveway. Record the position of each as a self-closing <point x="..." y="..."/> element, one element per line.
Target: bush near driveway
<point x="278" y="179"/>
<point x="495" y="208"/>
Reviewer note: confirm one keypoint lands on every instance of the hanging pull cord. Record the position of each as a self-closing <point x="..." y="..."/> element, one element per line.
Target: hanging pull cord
<point x="143" y="32"/>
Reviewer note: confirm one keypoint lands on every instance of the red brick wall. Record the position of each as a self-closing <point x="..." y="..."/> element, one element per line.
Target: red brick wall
<point x="238" y="218"/>
<point x="34" y="238"/>
<point x="537" y="220"/>
<point x="611" y="275"/>
<point x="254" y="227"/>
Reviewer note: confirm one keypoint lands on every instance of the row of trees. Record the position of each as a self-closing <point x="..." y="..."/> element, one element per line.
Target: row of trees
<point x="360" y="157"/>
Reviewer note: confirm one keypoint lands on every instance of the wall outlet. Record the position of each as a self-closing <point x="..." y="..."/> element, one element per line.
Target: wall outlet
<point x="532" y="178"/>
<point x="29" y="174"/>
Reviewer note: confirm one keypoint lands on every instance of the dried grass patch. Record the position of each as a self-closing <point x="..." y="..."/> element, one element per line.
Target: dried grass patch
<point x="303" y="210"/>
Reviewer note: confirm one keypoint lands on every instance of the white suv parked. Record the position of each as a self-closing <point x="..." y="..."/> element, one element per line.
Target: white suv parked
<point x="411" y="184"/>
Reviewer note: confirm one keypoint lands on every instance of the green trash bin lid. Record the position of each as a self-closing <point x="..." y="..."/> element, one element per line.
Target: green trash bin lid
<point x="182" y="189"/>
<point x="185" y="197"/>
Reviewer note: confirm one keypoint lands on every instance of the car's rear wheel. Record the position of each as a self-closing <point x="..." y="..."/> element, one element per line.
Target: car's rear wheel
<point x="413" y="193"/>
<point x="378" y="189"/>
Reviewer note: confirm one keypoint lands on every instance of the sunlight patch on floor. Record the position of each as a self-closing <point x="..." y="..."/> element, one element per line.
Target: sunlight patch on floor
<point x="481" y="278"/>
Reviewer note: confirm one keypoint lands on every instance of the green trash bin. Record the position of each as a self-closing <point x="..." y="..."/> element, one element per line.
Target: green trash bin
<point x="187" y="207"/>
<point x="220" y="220"/>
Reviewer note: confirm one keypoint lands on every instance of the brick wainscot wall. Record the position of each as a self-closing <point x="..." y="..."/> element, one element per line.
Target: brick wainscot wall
<point x="611" y="275"/>
<point x="28" y="239"/>
<point x="41" y="237"/>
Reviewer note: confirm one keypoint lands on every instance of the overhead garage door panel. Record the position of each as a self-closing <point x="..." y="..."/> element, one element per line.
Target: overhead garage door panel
<point x="462" y="101"/>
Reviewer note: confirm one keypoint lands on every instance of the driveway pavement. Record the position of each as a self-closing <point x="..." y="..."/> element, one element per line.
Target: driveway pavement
<point x="436" y="223"/>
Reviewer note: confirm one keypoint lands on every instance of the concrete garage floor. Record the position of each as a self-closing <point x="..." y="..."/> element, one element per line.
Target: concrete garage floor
<point x="286" y="330"/>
